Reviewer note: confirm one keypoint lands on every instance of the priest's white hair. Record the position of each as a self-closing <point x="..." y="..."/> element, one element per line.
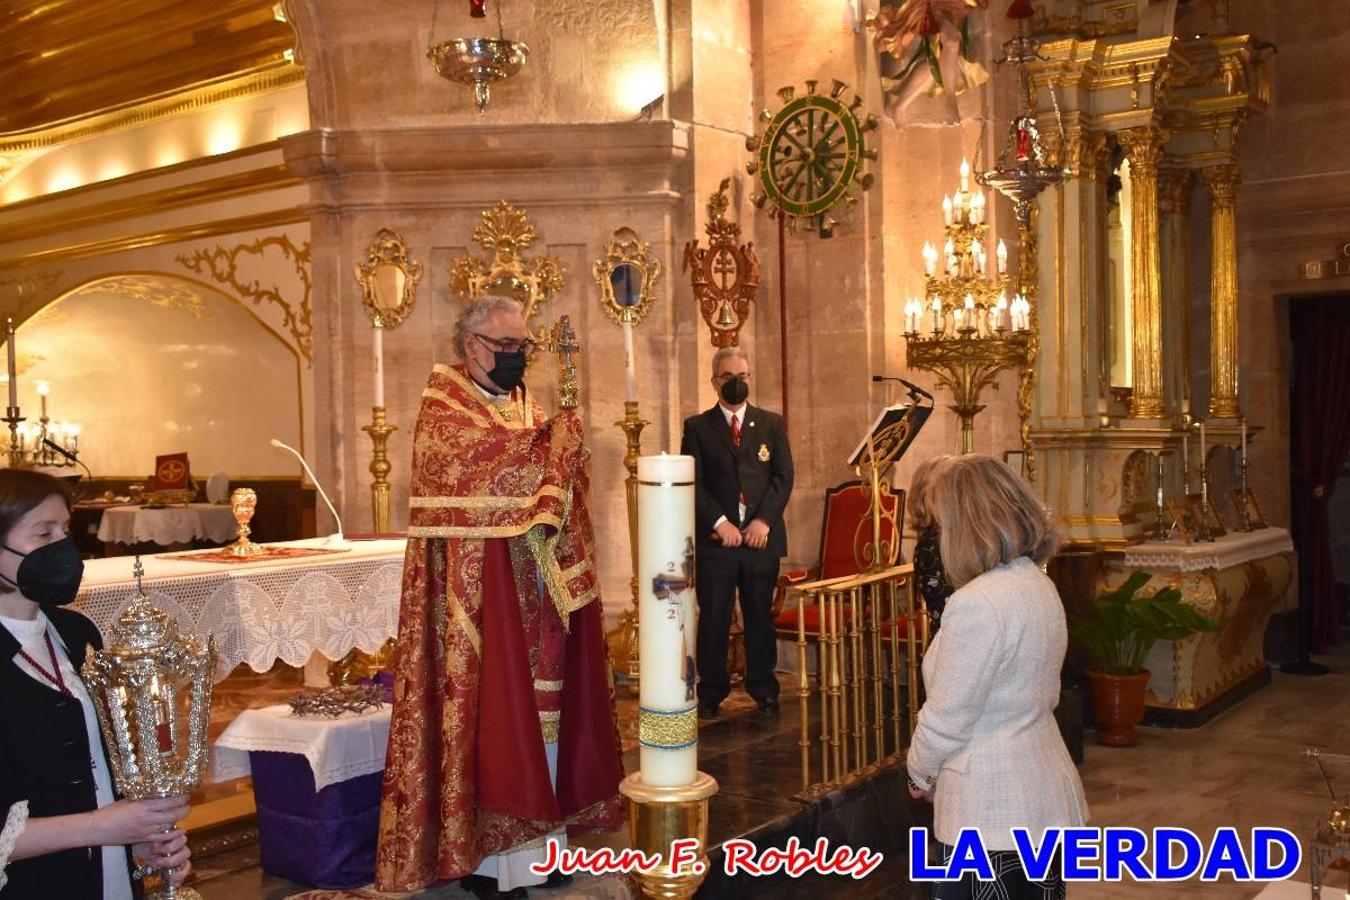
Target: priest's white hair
<point x="727" y="353"/>
<point x="475" y="314"/>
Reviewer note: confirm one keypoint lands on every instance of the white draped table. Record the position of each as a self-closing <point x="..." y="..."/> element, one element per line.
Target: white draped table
<point x="168" y="526"/>
<point x="265" y="611"/>
<point x="337" y="749"/>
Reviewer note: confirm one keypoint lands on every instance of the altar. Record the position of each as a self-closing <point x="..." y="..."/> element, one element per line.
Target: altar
<point x="1238" y="580"/>
<point x="265" y="611"/>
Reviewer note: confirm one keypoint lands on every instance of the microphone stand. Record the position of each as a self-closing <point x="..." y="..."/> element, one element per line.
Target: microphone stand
<point x="334" y="540"/>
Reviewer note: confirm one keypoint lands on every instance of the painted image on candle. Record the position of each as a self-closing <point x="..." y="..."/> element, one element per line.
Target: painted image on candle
<point x="674" y="589"/>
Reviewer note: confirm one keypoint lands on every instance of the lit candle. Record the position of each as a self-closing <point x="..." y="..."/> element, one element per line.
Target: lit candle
<point x="13" y="372"/>
<point x="946" y="210"/>
<point x="74" y="432"/>
<point x="937" y="316"/>
<point x="1000" y="312"/>
<point x="977" y="209"/>
<point x="977" y="254"/>
<point x="965" y="175"/>
<point x="1002" y="255"/>
<point x="43" y="389"/>
<point x="666" y="610"/>
<point x="970" y="311"/>
<point x="959" y="207"/>
<point x="1204" y="488"/>
<point x="929" y="259"/>
<point x="629" y="363"/>
<point x="379" y="366"/>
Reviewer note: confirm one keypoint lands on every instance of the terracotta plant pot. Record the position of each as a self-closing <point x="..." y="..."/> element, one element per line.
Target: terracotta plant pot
<point x="1118" y="706"/>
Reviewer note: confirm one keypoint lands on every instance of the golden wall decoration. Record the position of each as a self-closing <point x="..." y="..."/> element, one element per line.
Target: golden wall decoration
<point x="627" y="277"/>
<point x="165" y="293"/>
<point x="504" y="232"/>
<point x="388" y="280"/>
<point x="725" y="274"/>
<point x="223" y="266"/>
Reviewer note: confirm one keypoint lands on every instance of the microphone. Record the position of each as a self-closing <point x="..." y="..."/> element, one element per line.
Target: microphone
<point x="913" y="388"/>
<point x="67" y="455"/>
<point x="334" y="540"/>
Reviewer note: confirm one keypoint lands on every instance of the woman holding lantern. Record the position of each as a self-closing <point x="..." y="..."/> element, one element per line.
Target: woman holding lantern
<point x="63" y="832"/>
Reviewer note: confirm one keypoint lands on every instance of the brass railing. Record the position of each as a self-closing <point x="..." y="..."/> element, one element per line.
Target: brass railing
<point x="864" y="628"/>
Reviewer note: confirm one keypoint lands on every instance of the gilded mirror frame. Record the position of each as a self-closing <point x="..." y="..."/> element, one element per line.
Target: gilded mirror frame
<point x="505" y="231"/>
<point x="388" y="250"/>
<point x="627" y="249"/>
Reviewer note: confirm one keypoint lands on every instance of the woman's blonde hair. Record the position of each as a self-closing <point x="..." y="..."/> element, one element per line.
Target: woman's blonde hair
<point x="920" y="510"/>
<point x="988" y="516"/>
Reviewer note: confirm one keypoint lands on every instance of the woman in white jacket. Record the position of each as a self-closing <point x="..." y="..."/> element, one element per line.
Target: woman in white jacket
<point x="986" y="749"/>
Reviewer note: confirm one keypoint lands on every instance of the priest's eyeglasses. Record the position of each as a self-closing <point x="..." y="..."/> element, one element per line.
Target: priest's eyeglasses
<point x="507" y="345"/>
<point x="728" y="376"/>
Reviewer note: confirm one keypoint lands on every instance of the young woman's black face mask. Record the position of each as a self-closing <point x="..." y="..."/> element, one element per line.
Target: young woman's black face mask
<point x="50" y="574"/>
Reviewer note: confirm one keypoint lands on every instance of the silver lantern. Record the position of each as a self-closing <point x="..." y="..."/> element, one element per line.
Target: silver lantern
<point x="151" y="687"/>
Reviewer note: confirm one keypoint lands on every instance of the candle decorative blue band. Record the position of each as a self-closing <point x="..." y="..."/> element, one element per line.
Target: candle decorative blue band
<point x="668" y="729"/>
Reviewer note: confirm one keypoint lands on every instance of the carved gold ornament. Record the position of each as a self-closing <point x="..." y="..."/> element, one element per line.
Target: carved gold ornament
<point x="627" y="277"/>
<point x="504" y="232"/>
<point x="224" y="267"/>
<point x="725" y="274"/>
<point x="388" y="280"/>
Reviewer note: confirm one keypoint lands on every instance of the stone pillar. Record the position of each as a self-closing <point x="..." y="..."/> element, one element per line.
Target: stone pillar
<point x="1143" y="148"/>
<point x="1223" y="328"/>
<point x="1174" y="191"/>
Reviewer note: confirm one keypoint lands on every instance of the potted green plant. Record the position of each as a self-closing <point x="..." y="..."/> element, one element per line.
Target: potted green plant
<point x="1118" y="634"/>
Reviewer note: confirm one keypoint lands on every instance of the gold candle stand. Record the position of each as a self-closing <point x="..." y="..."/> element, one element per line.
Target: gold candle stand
<point x="379" y="430"/>
<point x="16" y="456"/>
<point x="658" y="816"/>
<point x="627" y="642"/>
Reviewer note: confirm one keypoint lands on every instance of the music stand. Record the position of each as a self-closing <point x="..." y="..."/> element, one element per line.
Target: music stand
<point x="885" y="442"/>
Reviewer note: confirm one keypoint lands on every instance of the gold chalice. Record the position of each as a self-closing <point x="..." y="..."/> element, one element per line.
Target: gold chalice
<point x="243" y="501"/>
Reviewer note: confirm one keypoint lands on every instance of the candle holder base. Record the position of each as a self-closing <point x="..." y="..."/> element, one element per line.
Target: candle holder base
<point x="658" y="816"/>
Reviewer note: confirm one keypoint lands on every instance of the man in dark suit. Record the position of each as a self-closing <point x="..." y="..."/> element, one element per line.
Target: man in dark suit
<point x="744" y="477"/>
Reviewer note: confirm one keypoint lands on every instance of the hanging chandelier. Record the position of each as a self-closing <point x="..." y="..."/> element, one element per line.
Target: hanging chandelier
<point x="479" y="62"/>
<point x="1023" y="168"/>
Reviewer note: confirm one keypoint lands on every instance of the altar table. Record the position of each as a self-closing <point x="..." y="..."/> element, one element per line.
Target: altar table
<point x="168" y="526"/>
<point x="261" y="612"/>
<point x="1239" y="580"/>
<point x="316" y="782"/>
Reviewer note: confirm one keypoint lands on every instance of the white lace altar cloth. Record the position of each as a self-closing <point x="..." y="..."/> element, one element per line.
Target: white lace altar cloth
<point x="338" y="749"/>
<point x="172" y="525"/>
<point x="1232" y="549"/>
<point x="266" y="611"/>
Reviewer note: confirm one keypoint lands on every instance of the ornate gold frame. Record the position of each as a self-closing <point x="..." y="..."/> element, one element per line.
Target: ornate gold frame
<point x="388" y="250"/>
<point x="504" y="232"/>
<point x="626" y="248"/>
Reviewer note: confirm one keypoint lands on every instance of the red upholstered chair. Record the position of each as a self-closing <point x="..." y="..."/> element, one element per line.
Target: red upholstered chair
<point x="845" y="532"/>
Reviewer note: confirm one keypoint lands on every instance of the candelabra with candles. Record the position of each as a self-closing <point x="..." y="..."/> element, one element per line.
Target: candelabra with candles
<point x="31" y="442"/>
<point x="966" y="330"/>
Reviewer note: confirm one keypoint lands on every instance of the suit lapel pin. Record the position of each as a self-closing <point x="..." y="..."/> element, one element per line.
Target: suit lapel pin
<point x="763" y="452"/>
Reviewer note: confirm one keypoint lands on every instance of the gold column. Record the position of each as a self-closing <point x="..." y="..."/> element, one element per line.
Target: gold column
<point x="1174" y="192"/>
<point x="1143" y="148"/>
<point x="1223" y="327"/>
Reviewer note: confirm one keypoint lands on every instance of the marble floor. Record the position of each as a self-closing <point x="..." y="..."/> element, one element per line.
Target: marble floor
<point x="1243" y="769"/>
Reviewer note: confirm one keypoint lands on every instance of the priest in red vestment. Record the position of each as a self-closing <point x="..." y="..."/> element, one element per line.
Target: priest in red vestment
<point x="503" y="731"/>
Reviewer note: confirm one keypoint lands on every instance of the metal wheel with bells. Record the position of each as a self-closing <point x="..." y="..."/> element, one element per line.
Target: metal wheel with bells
<point x="811" y="156"/>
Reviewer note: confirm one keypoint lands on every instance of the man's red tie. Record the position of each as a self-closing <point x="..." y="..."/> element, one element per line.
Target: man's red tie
<point x="736" y="439"/>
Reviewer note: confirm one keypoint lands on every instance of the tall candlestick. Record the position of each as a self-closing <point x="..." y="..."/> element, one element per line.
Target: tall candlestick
<point x="629" y="363"/>
<point x="668" y="715"/>
<point x="13" y="369"/>
<point x="379" y="366"/>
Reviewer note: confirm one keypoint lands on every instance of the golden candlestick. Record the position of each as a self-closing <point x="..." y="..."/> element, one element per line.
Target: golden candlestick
<point x="658" y="816"/>
<point x="379" y="430"/>
<point x="624" y="642"/>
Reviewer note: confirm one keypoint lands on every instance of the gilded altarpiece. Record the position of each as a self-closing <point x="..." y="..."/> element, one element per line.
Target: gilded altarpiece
<point x="1161" y="115"/>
